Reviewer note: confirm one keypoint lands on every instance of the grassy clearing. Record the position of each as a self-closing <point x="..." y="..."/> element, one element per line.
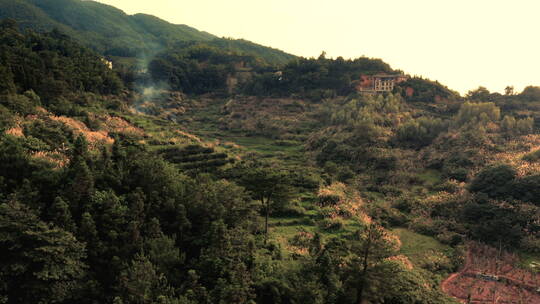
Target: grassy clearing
<point x="264" y="145"/>
<point x="417" y="246"/>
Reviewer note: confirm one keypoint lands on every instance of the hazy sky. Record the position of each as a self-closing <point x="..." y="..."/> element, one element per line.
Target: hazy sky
<point x="461" y="43"/>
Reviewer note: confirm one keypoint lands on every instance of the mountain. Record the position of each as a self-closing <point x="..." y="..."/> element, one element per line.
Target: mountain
<point x="112" y="32"/>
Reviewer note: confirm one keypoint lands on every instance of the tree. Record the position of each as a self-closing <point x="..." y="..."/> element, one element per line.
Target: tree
<point x="494" y="222"/>
<point x="88" y="233"/>
<point x="509" y="90"/>
<point x="328" y="266"/>
<point x="140" y="283"/>
<point x="80" y="148"/>
<point x="40" y="263"/>
<point x="530" y="93"/>
<point x="420" y="132"/>
<point x="398" y="284"/>
<point x="79" y="185"/>
<point x="495" y="181"/>
<point x="508" y="124"/>
<point x="471" y="114"/>
<point x="373" y="246"/>
<point x="166" y="257"/>
<point x="527" y="189"/>
<point x="269" y="186"/>
<point x="7" y="86"/>
<point x="60" y="215"/>
<point x="480" y="94"/>
<point x="14" y="161"/>
<point x="525" y="125"/>
<point x="224" y="263"/>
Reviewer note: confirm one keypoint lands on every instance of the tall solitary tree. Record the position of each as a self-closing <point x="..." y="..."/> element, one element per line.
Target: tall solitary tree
<point x="373" y="245"/>
<point x="509" y="90"/>
<point x="268" y="185"/>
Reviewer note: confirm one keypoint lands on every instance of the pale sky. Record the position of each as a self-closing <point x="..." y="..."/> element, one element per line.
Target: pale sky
<point x="461" y="43"/>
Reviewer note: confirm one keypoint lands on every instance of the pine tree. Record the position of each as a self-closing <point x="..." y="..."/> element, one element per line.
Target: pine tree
<point x="80" y="148"/>
<point x="373" y="245"/>
<point x="60" y="215"/>
<point x="88" y="233"/>
<point x="79" y="186"/>
<point x="140" y="283"/>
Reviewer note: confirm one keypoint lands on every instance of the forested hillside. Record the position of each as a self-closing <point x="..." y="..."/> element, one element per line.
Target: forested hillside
<point x="111" y="32"/>
<point x="215" y="176"/>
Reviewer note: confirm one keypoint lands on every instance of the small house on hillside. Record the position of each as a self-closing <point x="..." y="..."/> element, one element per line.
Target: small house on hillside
<point x="379" y="82"/>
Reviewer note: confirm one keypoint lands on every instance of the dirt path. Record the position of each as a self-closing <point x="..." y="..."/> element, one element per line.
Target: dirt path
<point x="445" y="284"/>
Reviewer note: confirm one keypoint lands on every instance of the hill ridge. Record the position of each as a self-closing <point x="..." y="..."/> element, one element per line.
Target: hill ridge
<point x="112" y="32"/>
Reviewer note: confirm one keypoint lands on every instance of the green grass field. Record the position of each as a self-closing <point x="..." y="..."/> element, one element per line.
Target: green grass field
<point x="417" y="246"/>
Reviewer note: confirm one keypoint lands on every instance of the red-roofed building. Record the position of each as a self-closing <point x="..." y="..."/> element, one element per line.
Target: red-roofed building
<point x="379" y="82"/>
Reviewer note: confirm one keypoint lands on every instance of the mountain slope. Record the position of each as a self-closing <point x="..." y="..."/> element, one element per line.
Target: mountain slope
<point x="110" y="31"/>
<point x="29" y="16"/>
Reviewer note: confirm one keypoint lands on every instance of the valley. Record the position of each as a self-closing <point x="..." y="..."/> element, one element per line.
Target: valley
<point x="175" y="167"/>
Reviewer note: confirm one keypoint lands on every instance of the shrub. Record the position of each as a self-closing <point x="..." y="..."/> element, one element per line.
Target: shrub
<point x="420" y="132"/>
<point x="345" y="173"/>
<point x="530" y="93"/>
<point x="459" y="174"/>
<point x="532" y="157"/>
<point x="517" y="127"/>
<point x="477" y="113"/>
<point x="329" y="199"/>
<point x="293" y="210"/>
<point x="53" y="133"/>
<point x="6" y="119"/>
<point x="447" y="186"/>
<point x="423" y="226"/>
<point x="450" y="238"/>
<point x="390" y="190"/>
<point x="326" y="212"/>
<point x="527" y="189"/>
<point x="302" y="238"/>
<point x="20" y="104"/>
<point x="286" y="143"/>
<point x="388" y="216"/>
<point x="461" y="159"/>
<point x="494" y="180"/>
<point x="437" y="262"/>
<point x="331" y="224"/>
